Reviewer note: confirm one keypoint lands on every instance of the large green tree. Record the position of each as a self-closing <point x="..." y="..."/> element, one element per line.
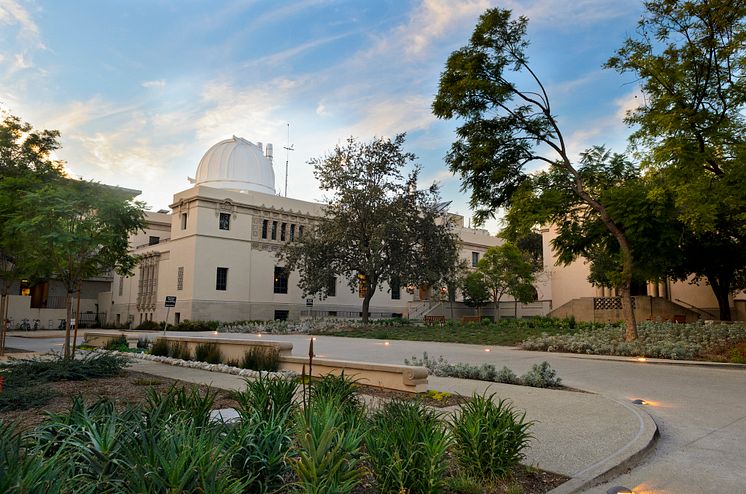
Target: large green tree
<point x="377" y="228"/>
<point x="689" y="57"/>
<point x="507" y="271"/>
<point x="508" y="126"/>
<point x="75" y="230"/>
<point x="25" y="164"/>
<point x="475" y="291"/>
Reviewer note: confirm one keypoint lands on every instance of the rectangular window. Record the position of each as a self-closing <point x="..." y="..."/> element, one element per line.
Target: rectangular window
<point x="292" y="232"/>
<point x="153" y="240"/>
<point x="300" y="231"/>
<point x="180" y="278"/>
<point x="221" y="279"/>
<point x="117" y="319"/>
<point x="121" y="285"/>
<point x="395" y="289"/>
<point x="331" y="290"/>
<point x="225" y="221"/>
<point x="183" y="221"/>
<point x="281" y="280"/>
<point x="283" y="227"/>
<point x="281" y="315"/>
<point x="265" y="224"/>
<point x="274" y="230"/>
<point x="177" y="317"/>
<point x="474" y="259"/>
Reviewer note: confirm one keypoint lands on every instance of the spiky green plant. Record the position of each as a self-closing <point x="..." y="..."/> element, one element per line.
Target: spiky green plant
<point x="208" y="352"/>
<point x="341" y="390"/>
<point x="24" y="470"/>
<point x="261" y="359"/>
<point x="407" y="444"/>
<point x="183" y="400"/>
<point x="489" y="438"/>
<point x="327" y="451"/>
<point x="265" y="396"/>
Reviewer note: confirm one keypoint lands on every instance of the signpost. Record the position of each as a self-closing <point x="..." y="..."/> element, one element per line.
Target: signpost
<point x="170" y="302"/>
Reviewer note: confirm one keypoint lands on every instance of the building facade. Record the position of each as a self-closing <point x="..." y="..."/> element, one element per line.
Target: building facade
<point x="216" y="252"/>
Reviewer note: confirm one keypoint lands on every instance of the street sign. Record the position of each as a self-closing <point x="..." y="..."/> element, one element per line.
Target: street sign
<point x="309" y="302"/>
<point x="170" y="301"/>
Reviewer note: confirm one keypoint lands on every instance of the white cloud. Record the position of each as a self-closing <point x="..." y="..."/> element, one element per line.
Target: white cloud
<point x="158" y="83"/>
<point x="12" y="13"/>
<point x="569" y="14"/>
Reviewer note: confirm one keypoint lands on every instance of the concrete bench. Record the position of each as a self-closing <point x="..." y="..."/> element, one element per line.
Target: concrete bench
<point x="400" y="377"/>
<point x="435" y="320"/>
<point x="101" y="338"/>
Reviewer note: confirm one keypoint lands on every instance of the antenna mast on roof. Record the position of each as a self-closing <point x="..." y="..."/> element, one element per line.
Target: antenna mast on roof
<point x="287" y="148"/>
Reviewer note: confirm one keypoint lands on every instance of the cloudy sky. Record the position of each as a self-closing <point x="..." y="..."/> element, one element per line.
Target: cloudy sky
<point x="140" y="89"/>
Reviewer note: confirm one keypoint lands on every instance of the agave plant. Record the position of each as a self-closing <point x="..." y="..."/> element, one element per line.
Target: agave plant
<point x="266" y="396"/>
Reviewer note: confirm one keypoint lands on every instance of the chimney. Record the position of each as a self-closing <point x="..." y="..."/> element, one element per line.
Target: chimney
<point x="269" y="152"/>
<point x="259" y="145"/>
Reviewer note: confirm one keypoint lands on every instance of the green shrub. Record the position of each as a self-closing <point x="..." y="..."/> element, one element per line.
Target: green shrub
<point x="407" y="444"/>
<point x="261" y="359"/>
<point x="151" y="326"/>
<point x="341" y="390"/>
<point x="465" y="485"/>
<point x="174" y="349"/>
<point x="24" y="397"/>
<point x="327" y="453"/>
<point x="188" y="401"/>
<point x="54" y="367"/>
<point x="265" y="396"/>
<point x="187" y="325"/>
<point x="208" y="352"/>
<point x="263" y="443"/>
<point x="23" y="470"/>
<point x="737" y="354"/>
<point x="119" y="344"/>
<point x="159" y="347"/>
<point x="144" y="343"/>
<point x="489" y="438"/>
<point x="541" y="376"/>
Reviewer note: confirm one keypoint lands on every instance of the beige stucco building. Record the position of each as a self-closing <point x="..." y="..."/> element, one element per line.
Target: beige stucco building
<point x="215" y="251"/>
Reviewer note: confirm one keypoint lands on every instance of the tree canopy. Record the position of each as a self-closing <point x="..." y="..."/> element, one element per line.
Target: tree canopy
<point x="507" y="271"/>
<point x="53" y="227"/>
<point x="507" y="127"/>
<point x="690" y="131"/>
<point x="378" y="227"/>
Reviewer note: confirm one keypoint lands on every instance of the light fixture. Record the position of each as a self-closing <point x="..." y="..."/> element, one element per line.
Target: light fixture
<point x="313" y="338"/>
<point x="641" y="359"/>
<point x="638" y="401"/>
<point x="487" y="350"/>
<point x="619" y="489"/>
<point x="259" y="335"/>
<point x="386" y="343"/>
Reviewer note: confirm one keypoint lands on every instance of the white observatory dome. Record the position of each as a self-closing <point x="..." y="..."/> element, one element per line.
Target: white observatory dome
<point x="237" y="164"/>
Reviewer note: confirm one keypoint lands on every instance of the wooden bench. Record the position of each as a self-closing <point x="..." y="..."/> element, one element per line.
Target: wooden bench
<point x="435" y="319"/>
<point x="466" y="319"/>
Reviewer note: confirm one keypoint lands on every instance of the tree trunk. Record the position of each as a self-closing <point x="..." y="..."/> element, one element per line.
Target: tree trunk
<point x="721" y="289"/>
<point x="628" y="311"/>
<point x="77" y="322"/>
<point x="66" y="345"/>
<point x="3" y="329"/>
<point x="366" y="306"/>
<point x="497" y="310"/>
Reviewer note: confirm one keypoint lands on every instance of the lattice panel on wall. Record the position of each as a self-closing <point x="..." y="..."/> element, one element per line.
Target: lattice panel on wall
<point x="609" y="303"/>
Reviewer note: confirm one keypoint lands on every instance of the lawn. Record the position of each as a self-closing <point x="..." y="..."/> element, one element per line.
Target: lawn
<point x="508" y="332"/>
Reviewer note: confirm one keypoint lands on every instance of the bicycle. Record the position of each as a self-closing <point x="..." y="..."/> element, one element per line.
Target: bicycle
<point x="63" y="324"/>
<point x="37" y="322"/>
<point x="25" y="325"/>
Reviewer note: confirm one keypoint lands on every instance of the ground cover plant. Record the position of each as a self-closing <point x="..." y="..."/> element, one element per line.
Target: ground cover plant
<point x="26" y="381"/>
<point x="509" y="332"/>
<point x="540" y="376"/>
<point x="720" y="342"/>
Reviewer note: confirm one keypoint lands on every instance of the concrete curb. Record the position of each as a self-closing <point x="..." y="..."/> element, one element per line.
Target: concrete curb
<point x="625" y="458"/>
<point x="655" y="361"/>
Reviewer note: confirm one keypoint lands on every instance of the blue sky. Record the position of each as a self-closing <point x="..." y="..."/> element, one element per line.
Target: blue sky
<point x="140" y="89"/>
